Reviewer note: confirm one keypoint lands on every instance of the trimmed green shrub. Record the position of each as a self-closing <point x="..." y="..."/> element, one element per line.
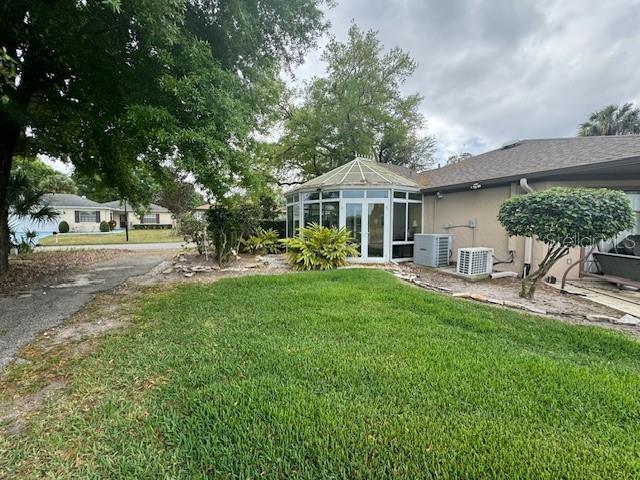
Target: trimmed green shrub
<point x="63" y="227"/>
<point x="192" y="230"/>
<point x="226" y="221"/>
<point x="104" y="226"/>
<point x="320" y="248"/>
<point x="263" y="241"/>
<point x="563" y="218"/>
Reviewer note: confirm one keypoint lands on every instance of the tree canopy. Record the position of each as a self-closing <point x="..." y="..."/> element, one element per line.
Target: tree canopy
<point x="357" y="108"/>
<point x="119" y="86"/>
<point x="564" y="218"/>
<point x="612" y="120"/>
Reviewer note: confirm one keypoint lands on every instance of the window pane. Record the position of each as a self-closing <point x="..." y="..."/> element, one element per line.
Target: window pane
<point x="353" y="194"/>
<point x="330" y="214"/>
<point x="399" y="194"/>
<point x="399" y="221"/>
<point x="377" y="193"/>
<point x="311" y="213"/>
<point x="375" y="245"/>
<point x="415" y="220"/>
<point x="311" y="196"/>
<point x="87" y="216"/>
<point x="333" y="194"/>
<point x="149" y="218"/>
<point x="292" y="198"/>
<point x="402" y="251"/>
<point x="415" y="196"/>
<point x="296" y="219"/>
<point x="290" y="231"/>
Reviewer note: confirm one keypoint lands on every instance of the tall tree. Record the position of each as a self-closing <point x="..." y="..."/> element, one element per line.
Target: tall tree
<point x="357" y="108"/>
<point x="112" y="84"/>
<point x="612" y="120"/>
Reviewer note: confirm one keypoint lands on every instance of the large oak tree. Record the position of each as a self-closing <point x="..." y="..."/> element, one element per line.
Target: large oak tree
<point x="115" y="86"/>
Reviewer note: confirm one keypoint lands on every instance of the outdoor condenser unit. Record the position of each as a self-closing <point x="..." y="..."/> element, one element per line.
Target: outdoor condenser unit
<point x="431" y="250"/>
<point x="475" y="262"/>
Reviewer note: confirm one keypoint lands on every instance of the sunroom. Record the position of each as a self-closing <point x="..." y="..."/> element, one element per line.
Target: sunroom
<point x="380" y="204"/>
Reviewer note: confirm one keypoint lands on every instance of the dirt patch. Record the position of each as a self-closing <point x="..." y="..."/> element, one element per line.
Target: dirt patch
<point x="14" y="414"/>
<point x="35" y="376"/>
<point x="548" y="301"/>
<point x="31" y="269"/>
<point x="187" y="267"/>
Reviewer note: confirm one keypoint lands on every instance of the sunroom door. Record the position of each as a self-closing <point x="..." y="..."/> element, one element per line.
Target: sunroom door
<point x="353" y="221"/>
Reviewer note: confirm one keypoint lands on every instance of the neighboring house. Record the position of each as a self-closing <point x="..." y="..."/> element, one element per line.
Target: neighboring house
<point x="82" y="214"/>
<point x="385" y="205"/>
<point x="153" y="215"/>
<point x="200" y="211"/>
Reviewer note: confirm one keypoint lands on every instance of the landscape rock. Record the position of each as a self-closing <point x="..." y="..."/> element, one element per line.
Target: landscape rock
<point x="628" y="320"/>
<point x="601" y="318"/>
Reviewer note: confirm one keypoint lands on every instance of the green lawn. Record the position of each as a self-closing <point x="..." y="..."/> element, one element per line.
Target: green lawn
<point x="346" y="374"/>
<point x="135" y="236"/>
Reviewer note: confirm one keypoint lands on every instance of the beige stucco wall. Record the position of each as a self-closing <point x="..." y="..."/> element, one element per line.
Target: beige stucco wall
<point x="67" y="214"/>
<point x="165" y="218"/>
<point x="458" y="208"/>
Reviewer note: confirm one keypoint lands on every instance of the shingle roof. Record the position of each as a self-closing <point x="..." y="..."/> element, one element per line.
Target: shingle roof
<point x="363" y="172"/>
<point x="69" y="200"/>
<point x="119" y="205"/>
<point x="530" y="157"/>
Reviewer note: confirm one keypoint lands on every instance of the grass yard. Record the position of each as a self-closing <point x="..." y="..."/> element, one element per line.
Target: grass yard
<point x="346" y="374"/>
<point x="135" y="236"/>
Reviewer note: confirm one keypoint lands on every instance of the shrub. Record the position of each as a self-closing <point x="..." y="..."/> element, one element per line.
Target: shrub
<point x="104" y="226"/>
<point x="279" y="226"/>
<point x="192" y="230"/>
<point x="226" y="220"/>
<point x="263" y="241"/>
<point x="63" y="227"/>
<point x="564" y="218"/>
<point x="320" y="248"/>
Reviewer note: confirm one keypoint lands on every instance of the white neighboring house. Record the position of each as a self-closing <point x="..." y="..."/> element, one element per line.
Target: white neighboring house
<point x="153" y="215"/>
<point x="82" y="214"/>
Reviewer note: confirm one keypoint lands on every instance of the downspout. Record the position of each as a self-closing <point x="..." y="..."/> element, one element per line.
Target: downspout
<point x="528" y="241"/>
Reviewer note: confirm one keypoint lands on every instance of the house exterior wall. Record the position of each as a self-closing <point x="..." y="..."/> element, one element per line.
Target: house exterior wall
<point x="458" y="208"/>
<point x="68" y="214"/>
<point x="165" y="218"/>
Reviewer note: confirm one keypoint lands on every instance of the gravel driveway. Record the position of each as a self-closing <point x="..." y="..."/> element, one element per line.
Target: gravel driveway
<point x="23" y="316"/>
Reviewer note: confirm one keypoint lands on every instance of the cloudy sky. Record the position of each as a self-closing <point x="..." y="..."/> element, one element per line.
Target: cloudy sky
<point x="497" y="70"/>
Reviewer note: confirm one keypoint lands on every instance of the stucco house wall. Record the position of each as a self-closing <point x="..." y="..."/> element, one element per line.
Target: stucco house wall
<point x="68" y="214"/>
<point x="460" y="207"/>
<point x="165" y="218"/>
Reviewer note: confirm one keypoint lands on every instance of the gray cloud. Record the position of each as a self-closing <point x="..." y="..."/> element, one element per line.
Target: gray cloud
<point x="492" y="71"/>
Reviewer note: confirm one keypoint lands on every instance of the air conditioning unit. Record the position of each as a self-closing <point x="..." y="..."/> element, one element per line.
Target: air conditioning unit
<point x="475" y="262"/>
<point x="431" y="250"/>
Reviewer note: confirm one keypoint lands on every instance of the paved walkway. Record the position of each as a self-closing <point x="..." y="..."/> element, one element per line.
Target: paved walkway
<point x="115" y="246"/>
<point x="23" y="316"/>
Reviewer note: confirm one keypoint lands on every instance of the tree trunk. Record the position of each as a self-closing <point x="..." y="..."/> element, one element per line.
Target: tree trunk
<point x="530" y="282"/>
<point x="8" y="139"/>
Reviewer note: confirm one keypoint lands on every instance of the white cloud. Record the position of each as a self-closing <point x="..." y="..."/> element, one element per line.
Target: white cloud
<point x="493" y="71"/>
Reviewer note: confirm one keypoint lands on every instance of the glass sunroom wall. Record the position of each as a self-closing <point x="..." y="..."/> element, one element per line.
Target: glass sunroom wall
<point x="407" y="221"/>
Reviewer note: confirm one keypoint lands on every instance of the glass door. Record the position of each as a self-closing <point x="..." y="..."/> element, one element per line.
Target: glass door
<point x="353" y="223"/>
<point x="376" y="230"/>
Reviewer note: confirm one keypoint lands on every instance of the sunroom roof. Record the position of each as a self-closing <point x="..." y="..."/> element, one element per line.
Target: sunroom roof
<point x="360" y="172"/>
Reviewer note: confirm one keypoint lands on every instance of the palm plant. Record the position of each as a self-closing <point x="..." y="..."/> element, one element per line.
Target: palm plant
<point x="612" y="120"/>
<point x="25" y="201"/>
